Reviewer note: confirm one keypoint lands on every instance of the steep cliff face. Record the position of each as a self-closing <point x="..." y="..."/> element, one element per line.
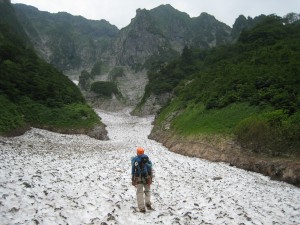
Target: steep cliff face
<point x="173" y="25"/>
<point x="209" y="32"/>
<point x="139" y="41"/>
<point x="161" y="34"/>
<point x="70" y="43"/>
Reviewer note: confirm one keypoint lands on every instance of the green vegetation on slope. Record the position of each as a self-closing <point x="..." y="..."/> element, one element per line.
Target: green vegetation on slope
<point x="105" y="88"/>
<point x="33" y="93"/>
<point x="215" y="121"/>
<point x="101" y="88"/>
<point x="250" y="90"/>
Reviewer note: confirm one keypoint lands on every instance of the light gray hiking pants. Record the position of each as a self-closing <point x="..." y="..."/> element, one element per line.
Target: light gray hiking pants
<point x="141" y="189"/>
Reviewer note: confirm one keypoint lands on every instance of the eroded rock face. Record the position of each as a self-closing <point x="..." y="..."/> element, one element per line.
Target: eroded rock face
<point x="137" y="42"/>
<point x="162" y="31"/>
<point x="225" y="150"/>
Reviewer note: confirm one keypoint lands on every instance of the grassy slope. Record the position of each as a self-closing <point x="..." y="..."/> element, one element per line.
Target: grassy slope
<point x="195" y="119"/>
<point x="249" y="91"/>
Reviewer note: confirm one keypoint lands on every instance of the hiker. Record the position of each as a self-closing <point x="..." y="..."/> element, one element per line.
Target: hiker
<point x="142" y="179"/>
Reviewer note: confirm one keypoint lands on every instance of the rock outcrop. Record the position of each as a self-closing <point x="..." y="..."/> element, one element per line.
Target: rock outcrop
<point x="162" y="33"/>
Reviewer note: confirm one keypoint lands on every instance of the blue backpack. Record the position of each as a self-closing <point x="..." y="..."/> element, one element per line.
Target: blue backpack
<point x="141" y="166"/>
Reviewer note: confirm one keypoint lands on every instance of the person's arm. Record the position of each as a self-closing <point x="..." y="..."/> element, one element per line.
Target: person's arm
<point x="149" y="165"/>
<point x="133" y="178"/>
<point x="132" y="165"/>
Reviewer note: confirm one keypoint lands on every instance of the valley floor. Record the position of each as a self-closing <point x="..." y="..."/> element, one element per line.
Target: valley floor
<point x="50" y="178"/>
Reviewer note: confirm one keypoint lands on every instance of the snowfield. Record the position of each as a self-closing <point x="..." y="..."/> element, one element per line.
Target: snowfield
<point x="50" y="178"/>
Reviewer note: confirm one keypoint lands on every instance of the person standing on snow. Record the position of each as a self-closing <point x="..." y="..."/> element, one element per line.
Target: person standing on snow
<point x="142" y="178"/>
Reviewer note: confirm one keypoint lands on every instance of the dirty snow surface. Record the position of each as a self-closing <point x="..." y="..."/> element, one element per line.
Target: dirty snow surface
<point x="50" y="178"/>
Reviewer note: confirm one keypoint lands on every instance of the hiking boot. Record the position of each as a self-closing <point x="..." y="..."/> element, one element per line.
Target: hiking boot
<point x="142" y="210"/>
<point x="149" y="207"/>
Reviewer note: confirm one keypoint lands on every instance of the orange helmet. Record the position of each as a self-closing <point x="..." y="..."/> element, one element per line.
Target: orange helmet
<point x="140" y="151"/>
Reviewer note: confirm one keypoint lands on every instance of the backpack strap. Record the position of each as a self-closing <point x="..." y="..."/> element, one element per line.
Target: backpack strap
<point x="137" y="168"/>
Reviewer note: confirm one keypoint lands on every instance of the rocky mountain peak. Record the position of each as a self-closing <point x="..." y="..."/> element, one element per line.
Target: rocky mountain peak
<point x="165" y="31"/>
<point x="141" y="19"/>
<point x="242" y="23"/>
<point x="205" y="15"/>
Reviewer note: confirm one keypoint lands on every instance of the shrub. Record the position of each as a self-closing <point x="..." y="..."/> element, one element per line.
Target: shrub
<point x="10" y="118"/>
<point x="104" y="88"/>
<point x="292" y="133"/>
<point x="271" y="133"/>
<point x="252" y="133"/>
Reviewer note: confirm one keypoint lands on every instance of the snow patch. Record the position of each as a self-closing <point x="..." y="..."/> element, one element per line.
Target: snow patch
<point x="50" y="178"/>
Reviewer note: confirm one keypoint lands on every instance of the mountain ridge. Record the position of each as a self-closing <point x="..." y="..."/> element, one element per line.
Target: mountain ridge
<point x="169" y="30"/>
<point x="153" y="38"/>
<point x="160" y="18"/>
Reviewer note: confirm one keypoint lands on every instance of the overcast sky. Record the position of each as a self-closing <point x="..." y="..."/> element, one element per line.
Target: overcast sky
<point x="120" y="12"/>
